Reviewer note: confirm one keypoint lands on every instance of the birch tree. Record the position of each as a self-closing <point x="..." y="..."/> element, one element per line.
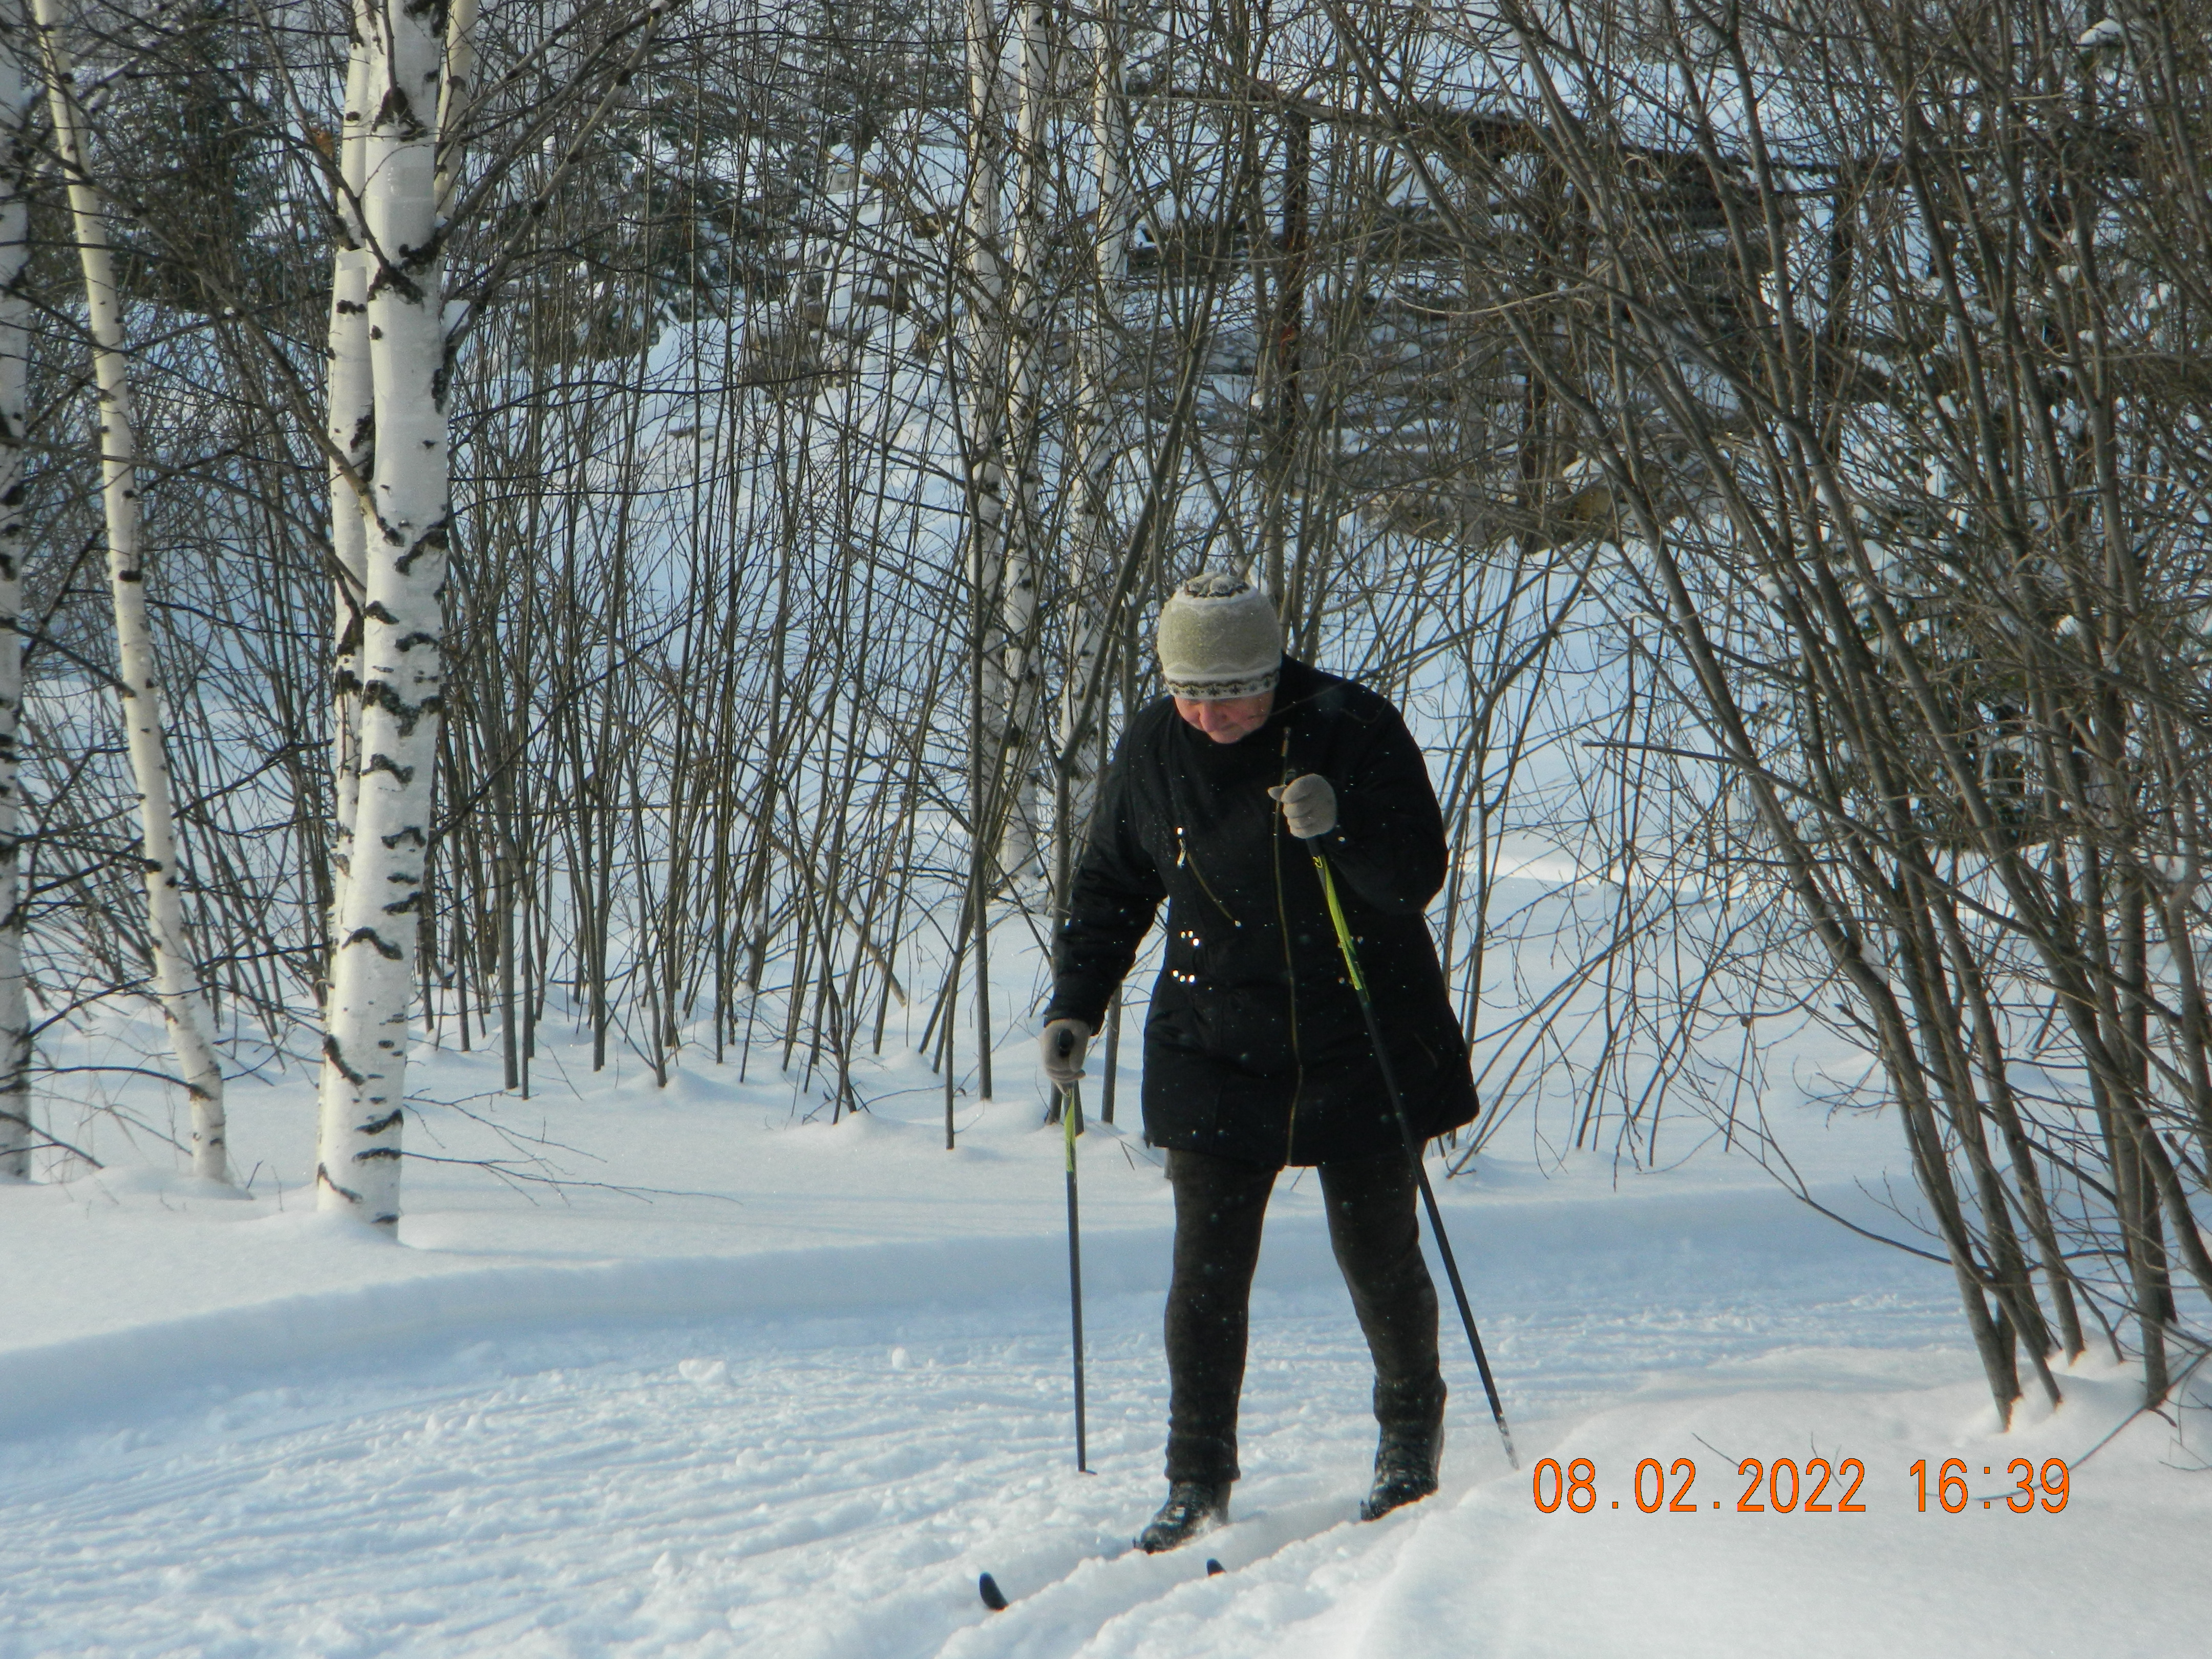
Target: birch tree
<point x="401" y="659"/>
<point x="18" y="91"/>
<point x="1090" y="549"/>
<point x="176" y="976"/>
<point x="351" y="420"/>
<point x="456" y="94"/>
<point x="1024" y="322"/>
<point x="985" y="479"/>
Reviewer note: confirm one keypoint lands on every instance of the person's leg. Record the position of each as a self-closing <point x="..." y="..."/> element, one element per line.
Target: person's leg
<point x="1220" y="1205"/>
<point x="1376" y="1232"/>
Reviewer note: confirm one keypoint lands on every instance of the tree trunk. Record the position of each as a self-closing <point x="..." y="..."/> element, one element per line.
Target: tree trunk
<point x="985" y="434"/>
<point x="402" y="656"/>
<point x="351" y="423"/>
<point x="17" y="91"/>
<point x="176" y="978"/>
<point x="1091" y="553"/>
<point x="456" y="93"/>
<point x="1019" y="741"/>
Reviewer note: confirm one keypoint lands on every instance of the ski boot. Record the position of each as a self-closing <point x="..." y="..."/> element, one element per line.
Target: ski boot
<point x="1405" y="1465"/>
<point x="1193" y="1507"/>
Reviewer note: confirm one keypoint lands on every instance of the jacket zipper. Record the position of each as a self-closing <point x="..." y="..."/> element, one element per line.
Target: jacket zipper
<point x="1183" y="858"/>
<point x="1290" y="965"/>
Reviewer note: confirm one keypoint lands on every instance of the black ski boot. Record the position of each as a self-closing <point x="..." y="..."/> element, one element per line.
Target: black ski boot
<point x="1193" y="1508"/>
<point x="1405" y="1465"/>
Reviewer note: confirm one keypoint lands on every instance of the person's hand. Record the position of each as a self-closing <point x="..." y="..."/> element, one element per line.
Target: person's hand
<point x="1309" y="805"/>
<point x="1064" y="1041"/>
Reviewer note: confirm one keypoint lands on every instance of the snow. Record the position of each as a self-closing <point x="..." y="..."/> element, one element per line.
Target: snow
<point x="791" y="1401"/>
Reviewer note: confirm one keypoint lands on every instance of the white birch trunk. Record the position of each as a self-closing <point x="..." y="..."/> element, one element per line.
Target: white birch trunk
<point x="984" y="389"/>
<point x="1018" y="607"/>
<point x="1091" y="553"/>
<point x="176" y="978"/>
<point x="456" y="92"/>
<point x="366" y="1036"/>
<point x="18" y="93"/>
<point x="351" y="423"/>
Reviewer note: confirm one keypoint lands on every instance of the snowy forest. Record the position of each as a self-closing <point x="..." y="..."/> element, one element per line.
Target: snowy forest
<point x="619" y="536"/>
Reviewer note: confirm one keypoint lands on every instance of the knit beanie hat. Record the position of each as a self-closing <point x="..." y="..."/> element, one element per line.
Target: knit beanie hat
<point x="1219" y="638"/>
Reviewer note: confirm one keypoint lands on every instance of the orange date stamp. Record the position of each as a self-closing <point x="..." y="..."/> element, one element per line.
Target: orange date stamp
<point x="1784" y="1486"/>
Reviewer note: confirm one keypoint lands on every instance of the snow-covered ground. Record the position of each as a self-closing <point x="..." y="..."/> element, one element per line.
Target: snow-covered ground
<point x="792" y="1401"/>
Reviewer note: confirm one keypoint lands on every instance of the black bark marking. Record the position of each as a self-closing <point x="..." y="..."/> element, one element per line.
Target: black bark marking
<point x="397" y="110"/>
<point x="389" y="952"/>
<point x="379" y="694"/>
<point x="434" y="541"/>
<point x="336" y="1056"/>
<point x="380" y="761"/>
<point x="323" y="1178"/>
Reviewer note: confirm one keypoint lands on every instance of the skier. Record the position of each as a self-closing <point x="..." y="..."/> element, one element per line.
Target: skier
<point x="1256" y="1055"/>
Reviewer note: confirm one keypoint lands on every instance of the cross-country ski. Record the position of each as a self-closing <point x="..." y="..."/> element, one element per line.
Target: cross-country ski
<point x="996" y="1600"/>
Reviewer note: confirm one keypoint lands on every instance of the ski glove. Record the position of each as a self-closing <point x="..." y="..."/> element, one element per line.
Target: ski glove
<point x="1309" y="805"/>
<point x="1064" y="1041"/>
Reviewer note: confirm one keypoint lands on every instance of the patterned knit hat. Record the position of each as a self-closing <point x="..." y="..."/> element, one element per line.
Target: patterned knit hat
<point x="1219" y="638"/>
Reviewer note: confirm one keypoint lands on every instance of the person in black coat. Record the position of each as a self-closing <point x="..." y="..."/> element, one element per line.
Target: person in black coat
<point x="1256" y="1055"/>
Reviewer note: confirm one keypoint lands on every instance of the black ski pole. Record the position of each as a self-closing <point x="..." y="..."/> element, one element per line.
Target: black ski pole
<point x="1412" y="1150"/>
<point x="1070" y="1118"/>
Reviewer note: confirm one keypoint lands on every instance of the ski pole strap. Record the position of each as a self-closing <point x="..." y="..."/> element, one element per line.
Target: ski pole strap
<point x="1343" y="933"/>
<point x="1071" y="1108"/>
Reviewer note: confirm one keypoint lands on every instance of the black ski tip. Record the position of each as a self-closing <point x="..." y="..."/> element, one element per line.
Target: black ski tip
<point x="1213" y="1566"/>
<point x="994" y="1597"/>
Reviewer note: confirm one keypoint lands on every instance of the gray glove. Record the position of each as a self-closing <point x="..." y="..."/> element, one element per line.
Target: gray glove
<point x="1309" y="805"/>
<point x="1064" y="1041"/>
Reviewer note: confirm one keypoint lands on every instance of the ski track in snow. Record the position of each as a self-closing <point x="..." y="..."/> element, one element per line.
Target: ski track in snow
<point x="199" y="1456"/>
<point x="799" y="1488"/>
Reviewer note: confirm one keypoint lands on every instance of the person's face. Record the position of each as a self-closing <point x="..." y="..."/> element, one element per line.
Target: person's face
<point x="1227" y="719"/>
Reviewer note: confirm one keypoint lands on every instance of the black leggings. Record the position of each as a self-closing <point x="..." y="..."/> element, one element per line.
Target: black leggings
<point x="1221" y="1206"/>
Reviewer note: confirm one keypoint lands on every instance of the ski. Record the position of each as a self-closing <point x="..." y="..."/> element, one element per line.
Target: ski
<point x="995" y="1599"/>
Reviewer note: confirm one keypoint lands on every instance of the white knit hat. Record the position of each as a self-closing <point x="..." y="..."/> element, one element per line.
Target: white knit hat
<point x="1219" y="638"/>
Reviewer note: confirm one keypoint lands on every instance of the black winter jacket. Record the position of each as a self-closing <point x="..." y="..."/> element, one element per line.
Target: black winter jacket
<point x="1255" y="1049"/>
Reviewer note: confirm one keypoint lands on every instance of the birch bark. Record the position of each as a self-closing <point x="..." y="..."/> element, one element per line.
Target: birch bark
<point x="985" y="476"/>
<point x="1091" y="557"/>
<point x="1018" y="738"/>
<point x="176" y="978"/>
<point x="456" y="92"/>
<point x="18" y="90"/>
<point x="364" y="1080"/>
<point x="351" y="421"/>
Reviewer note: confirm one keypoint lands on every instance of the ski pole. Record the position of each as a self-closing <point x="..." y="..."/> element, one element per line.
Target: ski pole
<point x="1412" y="1150"/>
<point x="1071" y="1116"/>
